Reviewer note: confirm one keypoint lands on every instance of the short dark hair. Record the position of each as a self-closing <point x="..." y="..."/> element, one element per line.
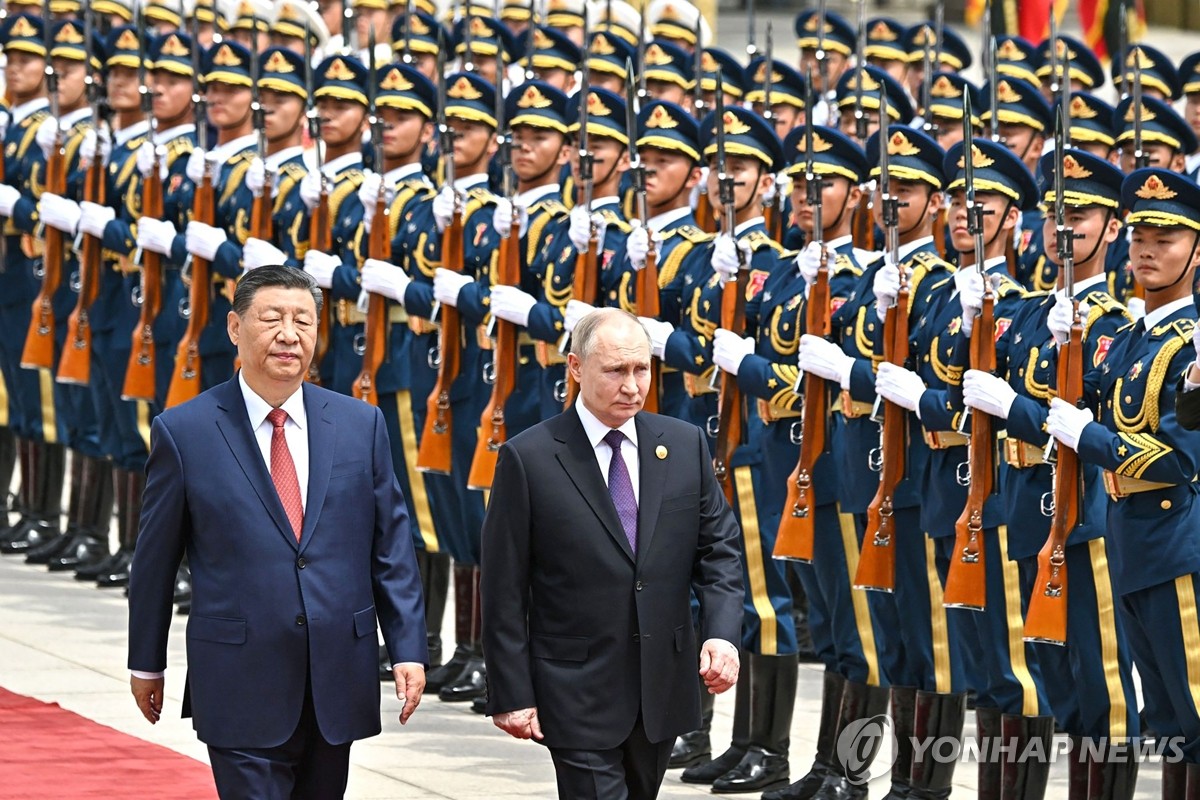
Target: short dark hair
<point x="269" y="276"/>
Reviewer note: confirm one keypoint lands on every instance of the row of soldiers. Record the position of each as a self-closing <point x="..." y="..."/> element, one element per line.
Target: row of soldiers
<point x="807" y="248"/>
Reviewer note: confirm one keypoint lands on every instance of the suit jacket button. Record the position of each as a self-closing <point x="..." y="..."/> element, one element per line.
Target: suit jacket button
<point x="301" y="563"/>
<point x="636" y="638"/>
<point x="300" y="620"/>
<point x="638" y="586"/>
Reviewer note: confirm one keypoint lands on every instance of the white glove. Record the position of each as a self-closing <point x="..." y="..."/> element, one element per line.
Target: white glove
<point x="155" y="235"/>
<point x="502" y="216"/>
<point x="447" y="284"/>
<point x="576" y="310"/>
<point x="4" y="118"/>
<point x="59" y="213"/>
<point x="258" y="253"/>
<point x="203" y="240"/>
<point x="368" y="194"/>
<point x="809" y="262"/>
<point x="145" y="161"/>
<point x="321" y="266"/>
<point x="1136" y="307"/>
<point x="1065" y="422"/>
<point x="729" y="349"/>
<point x="824" y="359"/>
<point x="380" y="277"/>
<point x="105" y="145"/>
<point x="1196" y="344"/>
<point x="512" y="304"/>
<point x="987" y="393"/>
<point x="443" y="207"/>
<point x="310" y="189"/>
<point x="196" y="166"/>
<point x="725" y="259"/>
<point x="9" y="196"/>
<point x="899" y="385"/>
<point x="579" y="230"/>
<point x="970" y="296"/>
<point x="87" y="148"/>
<point x="886" y="287"/>
<point x="659" y="333"/>
<point x="93" y="217"/>
<point x="638" y="244"/>
<point x="46" y="132"/>
<point x="1061" y="317"/>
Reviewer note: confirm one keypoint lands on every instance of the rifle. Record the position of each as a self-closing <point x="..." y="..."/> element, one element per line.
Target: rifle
<point x="928" y="124"/>
<point x="185" y="383"/>
<point x="406" y="55"/>
<point x="861" y="123"/>
<point x="586" y="284"/>
<point x="140" y="373"/>
<point x="773" y="205"/>
<point x="75" y="362"/>
<point x="989" y="63"/>
<point x="39" y="340"/>
<point x="468" y="40"/>
<point x="646" y="295"/>
<point x="320" y="231"/>
<point x="794" y="541"/>
<point x="1140" y="157"/>
<point x="1046" y="620"/>
<point x="697" y="69"/>
<point x="375" y="329"/>
<point x="531" y="44"/>
<point x="752" y="21"/>
<point x="821" y="56"/>
<point x="1123" y="44"/>
<point x="503" y="371"/>
<point x="966" y="582"/>
<point x="435" y="450"/>
<point x="349" y="28"/>
<point x="706" y="220"/>
<point x="877" y="563"/>
<point x="261" y="222"/>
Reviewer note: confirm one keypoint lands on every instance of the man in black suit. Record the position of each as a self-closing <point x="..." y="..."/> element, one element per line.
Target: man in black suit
<point x="609" y="518"/>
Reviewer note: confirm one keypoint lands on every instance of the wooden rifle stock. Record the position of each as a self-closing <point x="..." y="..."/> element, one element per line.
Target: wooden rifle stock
<point x="730" y="422"/>
<point x="706" y="218"/>
<point x="185" y="383"/>
<point x="39" y="340"/>
<point x="794" y="541"/>
<point x="492" y="423"/>
<point x="939" y="234"/>
<point x="139" y="375"/>
<point x="75" y="363"/>
<point x="864" y="225"/>
<point x="877" y="563"/>
<point x="586" y="289"/>
<point x="966" y="582"/>
<point x="375" y="330"/>
<point x="648" y="305"/>
<point x="1046" y="619"/>
<point x="321" y="239"/>
<point x="435" y="450"/>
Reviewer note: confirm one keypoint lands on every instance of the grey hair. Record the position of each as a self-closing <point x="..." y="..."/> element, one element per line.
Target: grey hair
<point x="269" y="276"/>
<point x="583" y="338"/>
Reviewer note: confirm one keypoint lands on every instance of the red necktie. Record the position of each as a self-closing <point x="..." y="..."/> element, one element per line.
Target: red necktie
<point x="283" y="473"/>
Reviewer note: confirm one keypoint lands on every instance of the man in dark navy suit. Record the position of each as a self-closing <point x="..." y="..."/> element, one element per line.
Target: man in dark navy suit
<point x="610" y="518"/>
<point x="282" y="496"/>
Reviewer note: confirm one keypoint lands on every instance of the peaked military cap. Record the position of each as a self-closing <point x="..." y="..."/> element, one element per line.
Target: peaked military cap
<point x="565" y="13"/>
<point x="1084" y="65"/>
<point x="618" y="17"/>
<point x="669" y="63"/>
<point x="954" y="53"/>
<point x="470" y="97"/>
<point x="1189" y="73"/>
<point x="1087" y="180"/>
<point x="1019" y="104"/>
<point x="282" y="70"/>
<point x="68" y="42"/>
<point x="253" y="15"/>
<point x="423" y="32"/>
<point x="123" y="46"/>
<point x="605" y="115"/>
<point x="913" y="155"/>
<point x="552" y="49"/>
<point x="1160" y="123"/>
<point x="169" y="12"/>
<point x="885" y="40"/>
<point x="746" y="134"/>
<point x="997" y="169"/>
<point x="834" y="153"/>
<point x="1161" y="198"/>
<point x="24" y="33"/>
<point x="1091" y="119"/>
<point x="666" y="126"/>
<point x="173" y="53"/>
<point x="342" y="78"/>
<point x="1157" y="70"/>
<point x="487" y="36"/>
<point x="875" y="83"/>
<point x="538" y="105"/>
<point x="947" y="90"/>
<point x="787" y="85"/>
<point x="676" y="20"/>
<point x="840" y="37"/>
<point x="1017" y="57"/>
<point x="609" y="53"/>
<point x="228" y="62"/>
<point x="402" y="87"/>
<point x="733" y="77"/>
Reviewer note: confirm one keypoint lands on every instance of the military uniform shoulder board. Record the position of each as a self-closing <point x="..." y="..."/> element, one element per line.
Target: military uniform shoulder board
<point x="179" y="146"/>
<point x="611" y="217"/>
<point x="550" y="205"/>
<point x="481" y="194"/>
<point x="1184" y="328"/>
<point x="1008" y="288"/>
<point x="693" y="234"/>
<point x="759" y="240"/>
<point x="293" y="169"/>
<point x="786" y="255"/>
<point x="845" y="264"/>
<point x="1104" y="303"/>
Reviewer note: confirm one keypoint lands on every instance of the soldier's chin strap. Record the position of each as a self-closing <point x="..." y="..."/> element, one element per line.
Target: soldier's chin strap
<point x="1108" y="214"/>
<point x="754" y="196"/>
<point x="838" y="220"/>
<point x="611" y="170"/>
<point x="1183" y="273"/>
<point x="920" y="218"/>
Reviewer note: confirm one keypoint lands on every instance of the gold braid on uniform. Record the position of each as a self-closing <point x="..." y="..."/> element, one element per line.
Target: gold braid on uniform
<point x="948" y="374"/>
<point x="1038" y="391"/>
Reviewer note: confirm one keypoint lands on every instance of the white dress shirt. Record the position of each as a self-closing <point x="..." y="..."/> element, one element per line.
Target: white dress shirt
<point x="596" y="431"/>
<point x="294" y="430"/>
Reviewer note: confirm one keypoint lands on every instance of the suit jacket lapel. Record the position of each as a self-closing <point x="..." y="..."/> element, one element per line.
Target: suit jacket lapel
<point x="322" y="432"/>
<point x="578" y="458"/>
<point x="234" y="424"/>
<point x="653" y="476"/>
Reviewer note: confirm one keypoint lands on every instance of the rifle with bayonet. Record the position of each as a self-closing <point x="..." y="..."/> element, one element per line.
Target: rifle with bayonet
<point x="375" y="327"/>
<point x="185" y="383"/>
<point x="822" y="57"/>
<point x="261" y="222"/>
<point x="140" y="373"/>
<point x="773" y="204"/>
<point x="493" y="425"/>
<point x="75" y="362"/>
<point x="434" y="453"/>
<point x="697" y="70"/>
<point x="706" y="220"/>
<point x="1123" y="45"/>
<point x="468" y="63"/>
<point x="730" y="425"/>
<point x="877" y="564"/>
<point x="406" y="55"/>
<point x="991" y="75"/>
<point x="320" y="231"/>
<point x="646" y="299"/>
<point x="1046" y="620"/>
<point x="794" y="541"/>
<point x="39" y="340"/>
<point x="966" y="581"/>
<point x="349" y="29"/>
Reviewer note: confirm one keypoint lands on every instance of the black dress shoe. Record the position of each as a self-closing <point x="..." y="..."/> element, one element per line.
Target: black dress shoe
<point x="82" y="550"/>
<point x="183" y="585"/>
<point x="118" y="573"/>
<point x="691" y="748"/>
<point x="710" y="771"/>
<point x="439" y="676"/>
<point x="471" y="683"/>
<point x="181" y="610"/>
<point x="479" y="705"/>
<point x="33" y="535"/>
<point x="807" y="787"/>
<point x="758" y="771"/>
<point x="50" y="549"/>
<point x="93" y="570"/>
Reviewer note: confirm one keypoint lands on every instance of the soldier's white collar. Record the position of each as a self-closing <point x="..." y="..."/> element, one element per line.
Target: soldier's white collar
<point x="834" y="244"/>
<point x="745" y="226"/>
<point x="222" y="152"/>
<point x="907" y="250"/>
<point x="162" y="137"/>
<point x="528" y="198"/>
<point x="660" y="222"/>
<point x="470" y="181"/>
<point x="1153" y="318"/>
<point x="275" y="159"/>
<point x="1191" y="162"/>
<point x="19" y="113"/>
<point x="600" y="202"/>
<point x="136" y="129"/>
<point x="332" y="168"/>
<point x="66" y="121"/>
<point x="1085" y="285"/>
<point x="393" y="177"/>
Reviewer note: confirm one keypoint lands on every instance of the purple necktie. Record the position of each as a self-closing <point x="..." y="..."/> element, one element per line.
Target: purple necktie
<point x="621" y="488"/>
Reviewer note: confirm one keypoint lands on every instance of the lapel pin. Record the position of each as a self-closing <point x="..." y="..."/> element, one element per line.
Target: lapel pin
<point x="661" y="452"/>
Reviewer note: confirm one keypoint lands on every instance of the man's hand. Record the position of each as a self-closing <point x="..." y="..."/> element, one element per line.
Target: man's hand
<point x="410" y="685"/>
<point x="520" y="724"/>
<point x="149" y="696"/>
<point x="719" y="665"/>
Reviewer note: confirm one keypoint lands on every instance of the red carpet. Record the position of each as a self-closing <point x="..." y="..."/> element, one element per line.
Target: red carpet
<point x="47" y="752"/>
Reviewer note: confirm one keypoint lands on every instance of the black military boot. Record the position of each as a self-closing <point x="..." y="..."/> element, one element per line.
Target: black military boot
<point x="22" y="502"/>
<point x="92" y="571"/>
<point x="823" y="768"/>
<point x="772" y="701"/>
<point x="448" y="672"/>
<point x="472" y="681"/>
<point x="8" y="465"/>
<point x="709" y="771"/>
<point x="904" y="699"/>
<point x="695" y="747"/>
<point x="45" y="522"/>
<point x="1112" y="779"/>
<point x="935" y="716"/>
<point x="129" y="512"/>
<point x="435" y="582"/>
<point x="90" y="544"/>
<point x="183" y="588"/>
<point x="1026" y="768"/>
<point x="859" y="702"/>
<point x="42" y="553"/>
<point x="1174" y="780"/>
<point x="991" y="755"/>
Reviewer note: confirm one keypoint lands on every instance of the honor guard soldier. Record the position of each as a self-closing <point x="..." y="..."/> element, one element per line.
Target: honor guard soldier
<point x="885" y="47"/>
<point x="951" y="55"/>
<point x="1130" y="430"/>
<point x="733" y="77"/>
<point x="124" y="425"/>
<point x="1091" y="125"/>
<point x="295" y="19"/>
<point x="874" y="83"/>
<point x="788" y="94"/>
<point x="947" y="91"/>
<point x="213" y="18"/>
<point x="163" y="16"/>
<point x="607" y="58"/>
<point x="1088" y="681"/>
<point x="72" y="138"/>
<point x="487" y="38"/>
<point x="837" y="43"/>
<point x="1017" y="57"/>
<point x="1085" y="72"/>
<point x="555" y="58"/>
<point x="982" y="621"/>
<point x="1159" y="78"/>
<point x="30" y="398"/>
<point x="250" y="25"/>
<point x="419" y="49"/>
<point x="675" y="21"/>
<point x="668" y="73"/>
